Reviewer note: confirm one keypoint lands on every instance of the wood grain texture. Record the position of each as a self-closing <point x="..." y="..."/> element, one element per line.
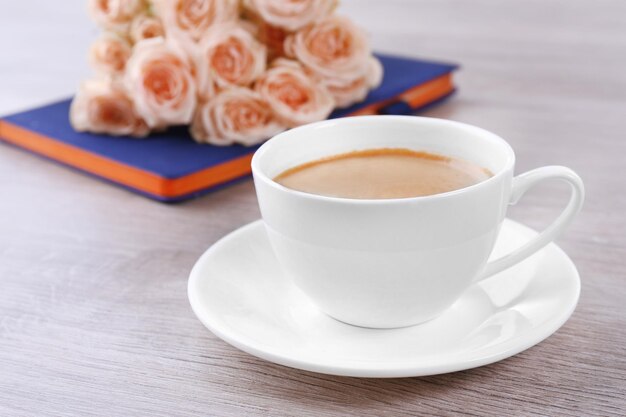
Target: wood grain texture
<point x="94" y="318"/>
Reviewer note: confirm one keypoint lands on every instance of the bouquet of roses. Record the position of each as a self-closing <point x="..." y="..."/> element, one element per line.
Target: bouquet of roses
<point x="236" y="71"/>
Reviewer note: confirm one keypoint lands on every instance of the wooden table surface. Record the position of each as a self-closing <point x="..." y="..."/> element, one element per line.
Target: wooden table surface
<point x="94" y="317"/>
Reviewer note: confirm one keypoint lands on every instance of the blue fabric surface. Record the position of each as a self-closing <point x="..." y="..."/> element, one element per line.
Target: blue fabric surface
<point x="173" y="154"/>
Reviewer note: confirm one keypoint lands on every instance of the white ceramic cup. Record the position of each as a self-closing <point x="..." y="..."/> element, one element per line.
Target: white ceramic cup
<point x="395" y="262"/>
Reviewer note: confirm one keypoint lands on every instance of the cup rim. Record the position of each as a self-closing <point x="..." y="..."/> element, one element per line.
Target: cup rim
<point x="258" y="173"/>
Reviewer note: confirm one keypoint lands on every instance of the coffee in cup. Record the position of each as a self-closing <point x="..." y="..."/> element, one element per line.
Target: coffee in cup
<point x="383" y="173"/>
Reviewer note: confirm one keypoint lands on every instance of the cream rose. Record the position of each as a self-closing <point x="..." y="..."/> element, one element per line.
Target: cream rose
<point x="109" y="53"/>
<point x="294" y="97"/>
<point x="115" y="15"/>
<point x="160" y="79"/>
<point x="102" y="106"/>
<point x="346" y="94"/>
<point x="229" y="55"/>
<point x="337" y="53"/>
<point x="291" y="14"/>
<point x="188" y="20"/>
<point x="236" y="115"/>
<point x="145" y="27"/>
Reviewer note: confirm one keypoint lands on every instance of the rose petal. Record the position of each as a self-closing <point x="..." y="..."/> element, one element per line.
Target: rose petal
<point x="294" y="97"/>
<point x="291" y="15"/>
<point x="236" y="115"/>
<point x="230" y="56"/>
<point x="115" y="15"/>
<point x="146" y="27"/>
<point x="188" y="20"/>
<point x="102" y="106"/>
<point x="159" y="77"/>
<point x="332" y="48"/>
<point x="109" y="54"/>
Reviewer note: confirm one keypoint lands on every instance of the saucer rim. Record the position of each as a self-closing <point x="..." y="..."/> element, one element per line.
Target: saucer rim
<point x="492" y="354"/>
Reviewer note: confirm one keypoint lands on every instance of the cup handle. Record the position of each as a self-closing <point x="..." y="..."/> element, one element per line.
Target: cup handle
<point x="523" y="183"/>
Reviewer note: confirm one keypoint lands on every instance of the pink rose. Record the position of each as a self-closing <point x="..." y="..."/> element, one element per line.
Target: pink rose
<point x="146" y="27"/>
<point x="229" y="55"/>
<point x="102" y="106"/>
<point x="294" y="97"/>
<point x="159" y="78"/>
<point x="235" y="115"/>
<point x="291" y="14"/>
<point x="337" y="53"/>
<point x="346" y="94"/>
<point x="188" y="20"/>
<point x="115" y="15"/>
<point x="109" y="53"/>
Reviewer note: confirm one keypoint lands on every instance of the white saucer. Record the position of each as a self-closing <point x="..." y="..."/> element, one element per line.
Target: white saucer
<point x="239" y="292"/>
